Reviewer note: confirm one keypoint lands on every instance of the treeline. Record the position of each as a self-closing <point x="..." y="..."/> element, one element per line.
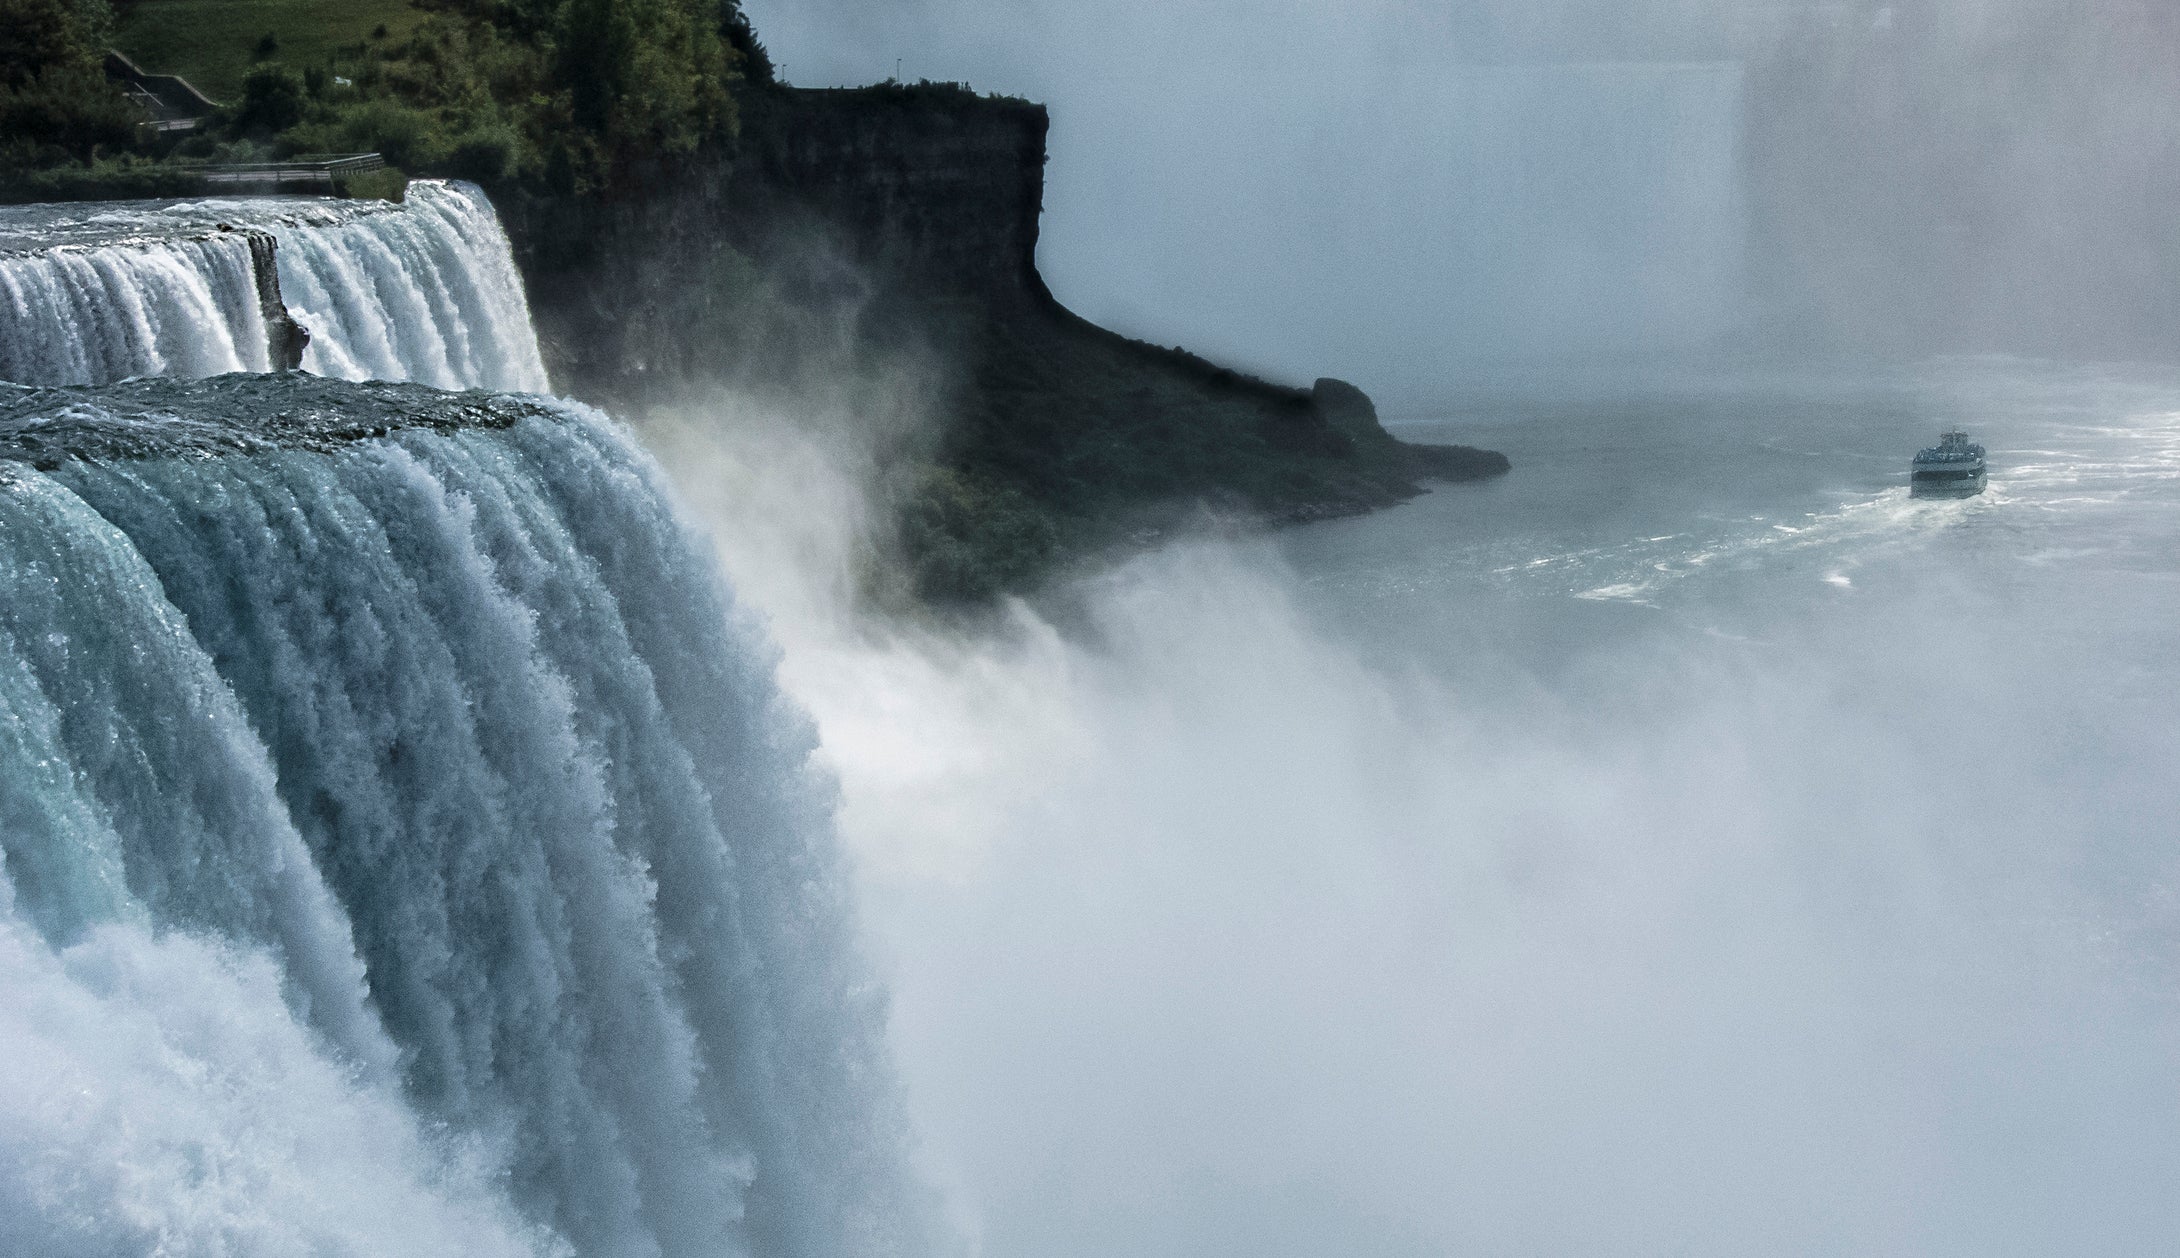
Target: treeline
<point x="55" y="103"/>
<point x="558" y="95"/>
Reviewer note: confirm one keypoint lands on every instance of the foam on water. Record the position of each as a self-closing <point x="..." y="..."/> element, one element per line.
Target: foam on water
<point x="82" y="314"/>
<point x="424" y="291"/>
<point x="1366" y="890"/>
<point x="407" y="851"/>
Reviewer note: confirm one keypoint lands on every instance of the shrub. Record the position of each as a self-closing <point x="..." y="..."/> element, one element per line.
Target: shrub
<point x="39" y="35"/>
<point x="119" y="179"/>
<point x="272" y="101"/>
<point x="407" y="137"/>
<point x="63" y="112"/>
<point x="382" y="185"/>
<point x="485" y="154"/>
<point x="55" y="102"/>
<point x="968" y="536"/>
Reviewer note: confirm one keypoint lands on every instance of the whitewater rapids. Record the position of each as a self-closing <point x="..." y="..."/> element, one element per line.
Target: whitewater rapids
<point x="424" y="291"/>
<point x="406" y="848"/>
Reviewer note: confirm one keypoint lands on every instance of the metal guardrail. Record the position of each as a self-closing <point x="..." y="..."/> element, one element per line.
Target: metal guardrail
<point x="310" y="172"/>
<point x="331" y="163"/>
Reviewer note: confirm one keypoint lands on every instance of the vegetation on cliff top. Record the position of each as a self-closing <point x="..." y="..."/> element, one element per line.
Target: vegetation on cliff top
<point x="215" y="44"/>
<point x="561" y="96"/>
<point x="55" y="103"/>
<point x="1069" y="441"/>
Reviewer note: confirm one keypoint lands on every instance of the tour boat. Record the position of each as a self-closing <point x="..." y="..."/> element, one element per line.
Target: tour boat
<point x="1952" y="468"/>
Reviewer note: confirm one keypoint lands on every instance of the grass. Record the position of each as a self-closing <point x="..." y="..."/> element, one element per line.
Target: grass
<point x="214" y="43"/>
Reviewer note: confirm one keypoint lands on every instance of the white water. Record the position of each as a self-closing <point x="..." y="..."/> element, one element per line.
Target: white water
<point x="86" y="314"/>
<point x="424" y="291"/>
<point x="407" y="852"/>
<point x="1580" y="863"/>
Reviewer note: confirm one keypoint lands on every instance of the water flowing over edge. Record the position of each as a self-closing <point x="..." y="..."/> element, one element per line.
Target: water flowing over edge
<point x="424" y="291"/>
<point x="407" y="851"/>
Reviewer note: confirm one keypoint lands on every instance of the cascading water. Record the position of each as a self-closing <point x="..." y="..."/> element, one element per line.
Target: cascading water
<point x="425" y="291"/>
<point x="404" y="836"/>
<point x="91" y="313"/>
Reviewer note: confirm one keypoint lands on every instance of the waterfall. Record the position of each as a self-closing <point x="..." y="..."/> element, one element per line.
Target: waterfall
<point x="81" y="314"/>
<point x="406" y="849"/>
<point x="426" y="290"/>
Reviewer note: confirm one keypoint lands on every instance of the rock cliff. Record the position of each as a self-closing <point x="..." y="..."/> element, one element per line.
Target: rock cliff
<point x="285" y="339"/>
<point x="903" y="219"/>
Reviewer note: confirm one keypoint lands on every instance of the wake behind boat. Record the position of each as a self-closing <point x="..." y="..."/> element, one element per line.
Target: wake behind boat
<point x="1952" y="468"/>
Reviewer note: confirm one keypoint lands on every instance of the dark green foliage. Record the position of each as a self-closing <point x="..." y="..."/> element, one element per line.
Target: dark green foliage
<point x="648" y="77"/>
<point x="559" y="96"/>
<point x="742" y="38"/>
<point x="64" y="112"/>
<point x="55" y="102"/>
<point x="484" y="155"/>
<point x="272" y="101"/>
<point x="971" y="536"/>
<point x="382" y="185"/>
<point x="407" y="137"/>
<point x="40" y="35"/>
<point x="118" y="179"/>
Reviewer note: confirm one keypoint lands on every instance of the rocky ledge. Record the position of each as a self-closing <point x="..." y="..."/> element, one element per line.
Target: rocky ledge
<point x="903" y="220"/>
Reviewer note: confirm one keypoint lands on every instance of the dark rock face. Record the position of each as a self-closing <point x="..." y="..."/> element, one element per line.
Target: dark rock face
<point x="831" y="201"/>
<point x="1349" y="411"/>
<point x="932" y="182"/>
<point x="285" y="339"/>
<point x="905" y="219"/>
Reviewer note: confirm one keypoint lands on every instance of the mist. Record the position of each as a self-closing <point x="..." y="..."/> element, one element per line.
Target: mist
<point x="1242" y="899"/>
<point x="1689" y="844"/>
<point x="1415" y="196"/>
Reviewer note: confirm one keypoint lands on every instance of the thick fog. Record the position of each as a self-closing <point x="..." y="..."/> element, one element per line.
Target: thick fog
<point x="1688" y="844"/>
<point x="1412" y="194"/>
<point x="1418" y="885"/>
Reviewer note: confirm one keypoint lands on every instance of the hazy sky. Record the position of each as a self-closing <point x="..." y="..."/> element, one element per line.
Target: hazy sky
<point x="1387" y="191"/>
<point x="1410" y="194"/>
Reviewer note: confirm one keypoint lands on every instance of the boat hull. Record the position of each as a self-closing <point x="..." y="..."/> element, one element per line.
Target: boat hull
<point x="1949" y="483"/>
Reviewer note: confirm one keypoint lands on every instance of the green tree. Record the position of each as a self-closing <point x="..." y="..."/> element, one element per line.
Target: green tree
<point x="272" y="101"/>
<point x="648" y="77"/>
<point x="55" y="101"/>
<point x="557" y="93"/>
<point x="41" y="35"/>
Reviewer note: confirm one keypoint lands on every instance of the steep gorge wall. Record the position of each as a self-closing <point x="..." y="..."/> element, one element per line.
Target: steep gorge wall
<point x="895" y="205"/>
<point x="831" y="201"/>
<point x="890" y="223"/>
<point x="928" y="182"/>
